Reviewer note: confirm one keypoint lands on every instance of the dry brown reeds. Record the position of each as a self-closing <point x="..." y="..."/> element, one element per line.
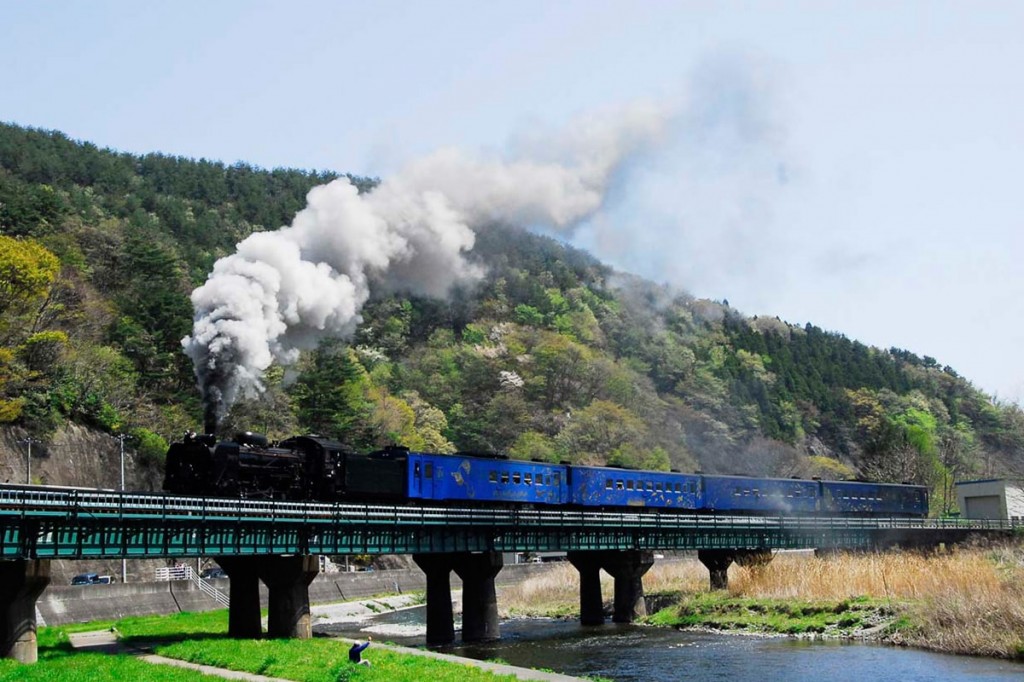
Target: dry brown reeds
<point x="890" y="575"/>
<point x="556" y="591"/>
<point x="969" y="601"/>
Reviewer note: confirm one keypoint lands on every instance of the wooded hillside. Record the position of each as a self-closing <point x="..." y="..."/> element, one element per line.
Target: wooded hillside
<point x="553" y="356"/>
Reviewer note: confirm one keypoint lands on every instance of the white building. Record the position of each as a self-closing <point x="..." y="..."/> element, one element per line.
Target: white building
<point x="996" y="498"/>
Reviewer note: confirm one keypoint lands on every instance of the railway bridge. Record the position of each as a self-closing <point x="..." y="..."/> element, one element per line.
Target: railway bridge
<point x="277" y="543"/>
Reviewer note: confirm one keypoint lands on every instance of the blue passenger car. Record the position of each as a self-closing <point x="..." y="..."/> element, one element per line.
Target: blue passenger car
<point x="759" y="495"/>
<point x="610" y="487"/>
<point x="873" y="499"/>
<point x="483" y="479"/>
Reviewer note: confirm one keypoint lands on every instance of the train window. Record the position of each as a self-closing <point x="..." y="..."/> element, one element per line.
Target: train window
<point x="693" y="487"/>
<point x="608" y="484"/>
<point x="428" y="470"/>
<point x="528" y="479"/>
<point x="755" y="492"/>
<point x="797" y="492"/>
<point x="618" y="485"/>
<point x="492" y="476"/>
<point x="679" y="488"/>
<point x="558" y="478"/>
<point x="515" y="478"/>
<point x="504" y="477"/>
<point x="658" y="486"/>
<point x="648" y="485"/>
<point x="629" y="485"/>
<point x="738" y="492"/>
<point x="416" y="470"/>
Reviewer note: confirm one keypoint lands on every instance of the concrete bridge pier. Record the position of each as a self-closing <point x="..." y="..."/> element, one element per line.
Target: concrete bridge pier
<point x="753" y="558"/>
<point x="591" y="603"/>
<point x="440" y="620"/>
<point x="719" y="560"/>
<point x="21" y="583"/>
<point x="287" y="579"/>
<point x="244" y="593"/>
<point x="479" y="600"/>
<point x="628" y="569"/>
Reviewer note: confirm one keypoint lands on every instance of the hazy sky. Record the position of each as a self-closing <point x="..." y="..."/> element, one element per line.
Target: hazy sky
<point x="857" y="165"/>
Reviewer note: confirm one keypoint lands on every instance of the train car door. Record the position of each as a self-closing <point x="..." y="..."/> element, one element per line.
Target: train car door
<point x="422" y="473"/>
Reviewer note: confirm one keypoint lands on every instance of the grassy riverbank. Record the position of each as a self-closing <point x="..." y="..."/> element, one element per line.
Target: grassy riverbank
<point x="58" y="662"/>
<point x="965" y="602"/>
<point x="202" y="638"/>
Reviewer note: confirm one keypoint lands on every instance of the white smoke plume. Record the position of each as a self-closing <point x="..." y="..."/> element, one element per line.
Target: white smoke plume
<point x="282" y="292"/>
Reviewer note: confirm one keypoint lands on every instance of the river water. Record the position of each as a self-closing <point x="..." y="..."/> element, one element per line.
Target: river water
<point x="634" y="653"/>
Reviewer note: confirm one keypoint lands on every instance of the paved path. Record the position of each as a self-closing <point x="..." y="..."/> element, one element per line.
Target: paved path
<point x="97" y="641"/>
<point x="105" y="641"/>
<point x="499" y="668"/>
<point x="358" y="611"/>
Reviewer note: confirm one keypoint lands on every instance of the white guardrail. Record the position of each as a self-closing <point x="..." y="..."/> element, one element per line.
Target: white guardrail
<point x="182" y="572"/>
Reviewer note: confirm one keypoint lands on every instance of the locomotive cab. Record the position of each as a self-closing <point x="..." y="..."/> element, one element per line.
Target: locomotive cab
<point x="380" y="474"/>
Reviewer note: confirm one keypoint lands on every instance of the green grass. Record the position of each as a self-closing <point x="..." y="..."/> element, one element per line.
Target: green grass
<point x="62" y="666"/>
<point x="202" y="638"/>
<point x="58" y="662"/>
<point x="322" y="660"/>
<point x="176" y="626"/>
<point x="791" y="617"/>
<point x="171" y="627"/>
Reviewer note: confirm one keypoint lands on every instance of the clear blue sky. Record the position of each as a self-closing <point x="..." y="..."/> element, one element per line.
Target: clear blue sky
<point x="857" y="165"/>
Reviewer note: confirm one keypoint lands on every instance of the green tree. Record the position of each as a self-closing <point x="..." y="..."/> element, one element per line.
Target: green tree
<point x="535" y="446"/>
<point x="593" y="434"/>
<point x="27" y="270"/>
<point x="331" y="394"/>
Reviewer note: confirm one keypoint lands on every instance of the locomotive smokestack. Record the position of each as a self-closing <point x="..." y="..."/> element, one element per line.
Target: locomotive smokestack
<point x="210" y="420"/>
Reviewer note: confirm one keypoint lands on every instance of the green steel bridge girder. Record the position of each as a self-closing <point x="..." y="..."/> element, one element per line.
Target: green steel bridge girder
<point x="72" y="523"/>
<point x="34" y="539"/>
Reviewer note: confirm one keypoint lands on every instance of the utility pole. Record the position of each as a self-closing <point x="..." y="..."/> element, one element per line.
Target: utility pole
<point x="124" y="562"/>
<point x="28" y="458"/>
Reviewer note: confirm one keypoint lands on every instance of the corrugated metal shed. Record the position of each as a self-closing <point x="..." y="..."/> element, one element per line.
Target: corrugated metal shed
<point x="994" y="498"/>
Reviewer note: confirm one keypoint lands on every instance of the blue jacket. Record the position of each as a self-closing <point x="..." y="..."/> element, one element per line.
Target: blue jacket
<point x="356" y="650"/>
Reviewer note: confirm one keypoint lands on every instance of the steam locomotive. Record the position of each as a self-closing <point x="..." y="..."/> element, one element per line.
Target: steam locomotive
<point x="320" y="469"/>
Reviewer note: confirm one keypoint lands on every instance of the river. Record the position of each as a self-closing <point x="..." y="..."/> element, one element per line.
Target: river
<point x="634" y="653"/>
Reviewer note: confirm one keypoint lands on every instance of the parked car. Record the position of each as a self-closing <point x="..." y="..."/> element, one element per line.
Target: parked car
<point x="210" y="573"/>
<point x="91" y="579"/>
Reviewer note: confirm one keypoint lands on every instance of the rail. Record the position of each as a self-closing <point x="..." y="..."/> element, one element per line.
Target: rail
<point x="41" y="503"/>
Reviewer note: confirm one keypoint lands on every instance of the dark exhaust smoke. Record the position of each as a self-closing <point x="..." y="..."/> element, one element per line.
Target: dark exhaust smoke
<point x="210" y="419"/>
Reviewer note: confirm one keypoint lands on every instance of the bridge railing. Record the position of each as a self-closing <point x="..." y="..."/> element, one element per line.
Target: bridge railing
<point x="41" y="502"/>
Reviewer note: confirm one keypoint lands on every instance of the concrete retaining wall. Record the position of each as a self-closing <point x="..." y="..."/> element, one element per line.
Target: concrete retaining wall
<point x="61" y="604"/>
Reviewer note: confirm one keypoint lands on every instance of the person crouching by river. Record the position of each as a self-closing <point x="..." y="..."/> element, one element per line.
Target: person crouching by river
<point x="355" y="654"/>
